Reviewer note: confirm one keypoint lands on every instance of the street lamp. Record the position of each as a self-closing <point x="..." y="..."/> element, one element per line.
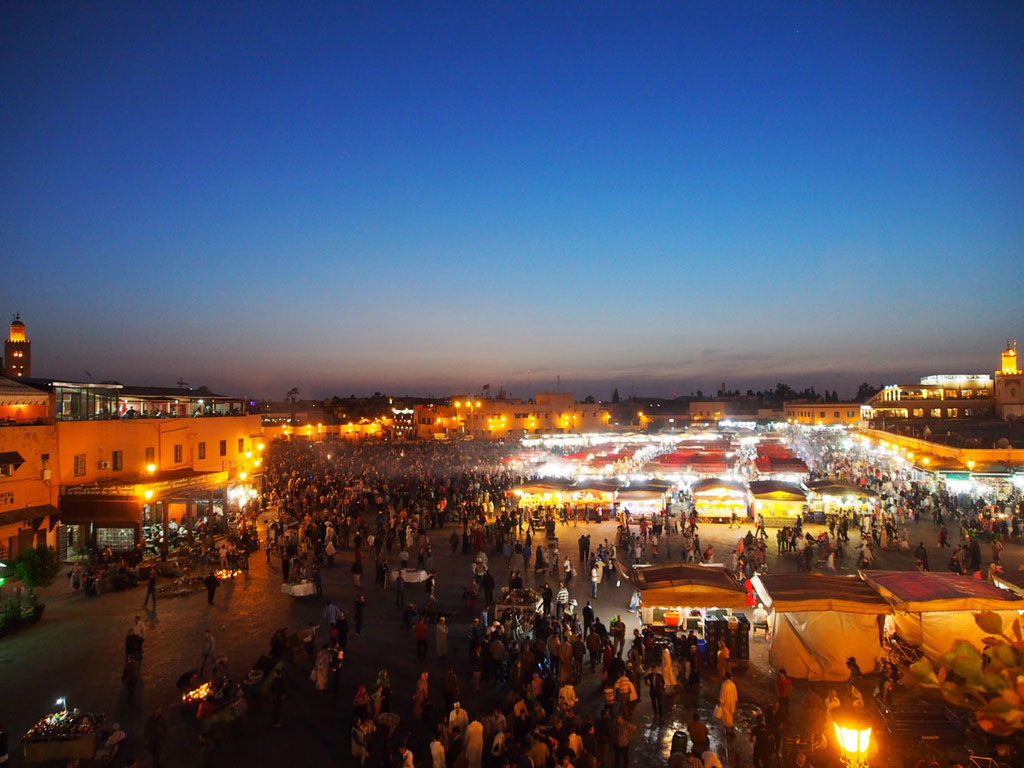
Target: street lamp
<point x="853" y="732"/>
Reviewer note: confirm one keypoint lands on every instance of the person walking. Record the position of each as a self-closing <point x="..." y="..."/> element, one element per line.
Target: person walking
<point x="150" y="589"/>
<point x="211" y="583"/>
<point x="623" y="730"/>
<point x="154" y="733"/>
<point x="207" y="648"/>
<point x="656" y="688"/>
<point x="343" y="630"/>
<point x="420" y="633"/>
<point x="360" y="608"/>
<point x="727" y="698"/>
<point x="441" y="638"/>
<point x="399" y="589"/>
<point x="278" y="690"/>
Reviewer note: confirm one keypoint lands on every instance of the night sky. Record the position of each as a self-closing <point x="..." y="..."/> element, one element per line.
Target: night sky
<point x="427" y="197"/>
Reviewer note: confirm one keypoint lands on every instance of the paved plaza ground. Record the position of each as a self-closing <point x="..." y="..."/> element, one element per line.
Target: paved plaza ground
<point x="77" y="651"/>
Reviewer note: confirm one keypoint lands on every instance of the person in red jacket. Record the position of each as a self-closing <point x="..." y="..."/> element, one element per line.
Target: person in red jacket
<point x="783" y="687"/>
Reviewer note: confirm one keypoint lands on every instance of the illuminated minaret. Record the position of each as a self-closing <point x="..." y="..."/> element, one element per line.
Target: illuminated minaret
<point x="1010" y="386"/>
<point x="17" y="352"/>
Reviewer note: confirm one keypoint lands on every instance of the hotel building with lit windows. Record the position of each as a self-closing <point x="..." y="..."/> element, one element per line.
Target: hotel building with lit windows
<point x="85" y="463"/>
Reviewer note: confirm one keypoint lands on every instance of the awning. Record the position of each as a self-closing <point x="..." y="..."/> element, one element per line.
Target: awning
<point x="779" y="491"/>
<point x="114" y="513"/>
<point x="715" y="484"/>
<point x="688" y="585"/>
<point x="835" y="488"/>
<point x="11" y="516"/>
<point x="924" y="592"/>
<point x="796" y="593"/>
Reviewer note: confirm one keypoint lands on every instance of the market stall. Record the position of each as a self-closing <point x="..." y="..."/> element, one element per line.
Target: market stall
<point x="63" y="735"/>
<point x="818" y="622"/>
<point x="522" y="602"/>
<point x="706" y="599"/>
<point x="547" y="492"/>
<point x="934" y="610"/>
<point x="719" y="499"/>
<point x="831" y="497"/>
<point x="643" y="498"/>
<point x="780" y="503"/>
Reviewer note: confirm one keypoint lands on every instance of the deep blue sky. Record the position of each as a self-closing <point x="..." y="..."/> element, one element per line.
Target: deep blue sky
<point x="427" y="197"/>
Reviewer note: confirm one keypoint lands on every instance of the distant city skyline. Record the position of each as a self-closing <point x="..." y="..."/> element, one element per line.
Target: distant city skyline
<point x="742" y="372"/>
<point x="428" y="197"/>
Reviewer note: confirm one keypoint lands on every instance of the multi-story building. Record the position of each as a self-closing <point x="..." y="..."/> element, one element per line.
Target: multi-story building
<point x="17" y="352"/>
<point x="78" y="473"/>
<point x="949" y="396"/>
<point x="548" y="413"/>
<point x="826" y="414"/>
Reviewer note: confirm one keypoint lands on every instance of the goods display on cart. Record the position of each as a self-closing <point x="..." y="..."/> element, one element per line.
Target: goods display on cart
<point x="64" y="735"/>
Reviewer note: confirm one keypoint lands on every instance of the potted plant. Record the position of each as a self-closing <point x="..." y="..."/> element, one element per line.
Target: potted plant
<point x="36" y="567"/>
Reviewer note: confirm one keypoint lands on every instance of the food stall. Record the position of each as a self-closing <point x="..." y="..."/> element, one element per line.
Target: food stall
<point x="643" y="498"/>
<point x="523" y="602"/>
<point x="718" y="499"/>
<point x="547" y="492"/>
<point x="832" y="498"/>
<point x="707" y="599"/>
<point x="211" y="703"/>
<point x="63" y="735"/>
<point x="780" y="503"/>
<point x="818" y="622"/>
<point x="933" y="610"/>
<point x="596" y="495"/>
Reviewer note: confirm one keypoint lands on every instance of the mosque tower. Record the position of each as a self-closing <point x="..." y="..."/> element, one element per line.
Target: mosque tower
<point x="17" y="352"/>
<point x="1010" y="386"/>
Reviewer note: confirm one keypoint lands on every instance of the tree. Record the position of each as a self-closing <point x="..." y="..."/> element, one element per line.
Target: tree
<point x="865" y="392"/>
<point x="292" y="395"/>
<point x="988" y="682"/>
<point x="37" y="567"/>
<point x="615" y="395"/>
<point x="589" y="400"/>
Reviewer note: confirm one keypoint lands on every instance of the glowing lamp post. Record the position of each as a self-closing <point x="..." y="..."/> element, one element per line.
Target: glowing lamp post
<point x="853" y="732"/>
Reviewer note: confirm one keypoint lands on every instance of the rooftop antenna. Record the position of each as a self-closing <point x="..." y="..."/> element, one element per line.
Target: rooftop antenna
<point x="90" y="377"/>
<point x="558" y="383"/>
<point x="182" y="383"/>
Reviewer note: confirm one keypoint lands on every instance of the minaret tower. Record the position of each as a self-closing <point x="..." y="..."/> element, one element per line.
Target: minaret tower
<point x="17" y="352"/>
<point x="1010" y="385"/>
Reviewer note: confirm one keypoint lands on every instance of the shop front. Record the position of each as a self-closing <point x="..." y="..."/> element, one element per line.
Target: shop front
<point x="719" y="500"/>
<point x="158" y="515"/>
<point x="644" y="499"/>
<point x="778" y="502"/>
<point x="704" y="599"/>
<point x="832" y="499"/>
<point x="105" y="521"/>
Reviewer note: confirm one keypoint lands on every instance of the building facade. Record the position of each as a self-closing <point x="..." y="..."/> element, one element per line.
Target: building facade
<point x="826" y="414"/>
<point x="956" y="396"/>
<point x="73" y="473"/>
<point x="548" y="413"/>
